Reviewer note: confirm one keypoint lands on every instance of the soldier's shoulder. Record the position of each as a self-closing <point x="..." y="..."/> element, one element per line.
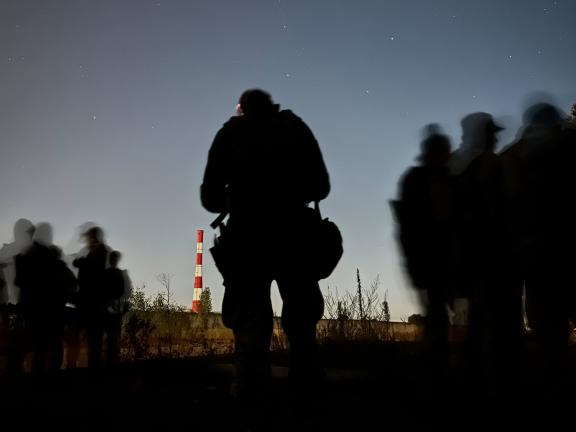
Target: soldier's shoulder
<point x="289" y="115"/>
<point x="414" y="170"/>
<point x="232" y="122"/>
<point x="412" y="174"/>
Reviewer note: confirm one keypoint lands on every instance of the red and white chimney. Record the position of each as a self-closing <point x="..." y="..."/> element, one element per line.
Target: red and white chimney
<point x="198" y="272"/>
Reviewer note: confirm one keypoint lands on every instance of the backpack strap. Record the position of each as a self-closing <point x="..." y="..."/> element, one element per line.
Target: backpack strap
<point x="218" y="221"/>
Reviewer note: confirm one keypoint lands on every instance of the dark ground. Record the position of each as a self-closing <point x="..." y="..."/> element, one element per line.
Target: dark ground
<point x="370" y="387"/>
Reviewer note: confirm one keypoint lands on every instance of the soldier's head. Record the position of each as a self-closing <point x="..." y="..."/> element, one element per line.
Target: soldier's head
<point x="435" y="147"/>
<point x="479" y="132"/>
<point x="256" y="102"/>
<point x="114" y="258"/>
<point x="23" y="231"/>
<point x="43" y="234"/>
<point x="543" y="115"/>
<point x="94" y="236"/>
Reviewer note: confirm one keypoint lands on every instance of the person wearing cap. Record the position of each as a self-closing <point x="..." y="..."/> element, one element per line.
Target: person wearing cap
<point x="479" y="180"/>
<point x="264" y="167"/>
<point x="479" y="139"/>
<point x="426" y="228"/>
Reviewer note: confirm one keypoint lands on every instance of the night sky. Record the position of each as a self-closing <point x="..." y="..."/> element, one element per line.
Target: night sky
<point x="108" y="108"/>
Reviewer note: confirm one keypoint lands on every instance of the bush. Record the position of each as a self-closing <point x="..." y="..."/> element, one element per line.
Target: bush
<point x="359" y="316"/>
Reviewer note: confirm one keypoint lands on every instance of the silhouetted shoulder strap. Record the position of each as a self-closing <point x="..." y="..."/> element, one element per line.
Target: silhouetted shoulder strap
<point x="218" y="221"/>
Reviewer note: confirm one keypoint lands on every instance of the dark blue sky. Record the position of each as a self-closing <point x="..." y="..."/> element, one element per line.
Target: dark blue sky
<point x="108" y="108"/>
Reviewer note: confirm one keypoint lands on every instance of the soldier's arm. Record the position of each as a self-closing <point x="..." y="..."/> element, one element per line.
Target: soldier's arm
<point x="213" y="189"/>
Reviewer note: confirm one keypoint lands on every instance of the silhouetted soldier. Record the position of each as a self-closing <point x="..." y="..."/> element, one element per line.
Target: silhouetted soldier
<point x="10" y="294"/>
<point x="23" y="232"/>
<point x="74" y="330"/>
<point x="540" y="180"/>
<point x="426" y="216"/>
<point x="263" y="168"/>
<point x="92" y="297"/>
<point x="480" y="195"/>
<point x="46" y="285"/>
<point x="119" y="288"/>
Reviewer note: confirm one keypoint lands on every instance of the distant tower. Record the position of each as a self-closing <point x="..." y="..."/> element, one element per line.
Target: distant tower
<point x="198" y="273"/>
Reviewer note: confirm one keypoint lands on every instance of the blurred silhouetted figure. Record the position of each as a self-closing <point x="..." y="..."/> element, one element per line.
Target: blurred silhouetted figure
<point x="46" y="284"/>
<point x="264" y="167"/>
<point x="75" y="328"/>
<point x="426" y="217"/>
<point x="572" y="120"/>
<point x="2" y="284"/>
<point x="23" y="232"/>
<point x="540" y="185"/>
<point x="480" y="195"/>
<point x="119" y="289"/>
<point x="10" y="292"/>
<point x="93" y="297"/>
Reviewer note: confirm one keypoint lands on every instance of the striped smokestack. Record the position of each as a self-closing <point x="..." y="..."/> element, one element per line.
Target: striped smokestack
<point x="198" y="273"/>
